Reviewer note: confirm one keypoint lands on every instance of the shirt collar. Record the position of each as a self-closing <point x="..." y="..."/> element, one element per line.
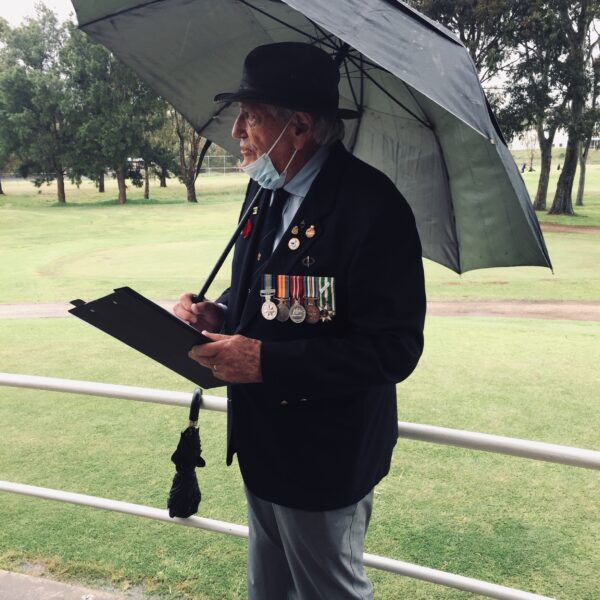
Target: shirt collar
<point x="301" y="182"/>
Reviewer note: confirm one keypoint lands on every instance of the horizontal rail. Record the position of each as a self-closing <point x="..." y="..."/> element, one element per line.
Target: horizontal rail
<point x="555" y="453"/>
<point x="499" y="444"/>
<point x="467" y="584"/>
<point x="110" y="390"/>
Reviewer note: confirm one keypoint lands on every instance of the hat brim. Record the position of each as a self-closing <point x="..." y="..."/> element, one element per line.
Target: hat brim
<point x="242" y="95"/>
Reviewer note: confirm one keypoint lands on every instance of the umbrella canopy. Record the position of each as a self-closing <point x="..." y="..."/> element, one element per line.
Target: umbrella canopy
<point x="425" y="121"/>
<point x="185" y="496"/>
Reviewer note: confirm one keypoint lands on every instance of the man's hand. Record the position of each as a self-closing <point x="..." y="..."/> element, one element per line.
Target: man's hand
<point x="232" y="358"/>
<point x="201" y="315"/>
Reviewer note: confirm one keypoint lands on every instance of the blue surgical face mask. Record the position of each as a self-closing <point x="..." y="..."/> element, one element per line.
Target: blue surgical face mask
<point x="263" y="171"/>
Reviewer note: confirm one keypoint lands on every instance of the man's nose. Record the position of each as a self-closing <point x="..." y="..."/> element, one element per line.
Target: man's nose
<point x="239" y="129"/>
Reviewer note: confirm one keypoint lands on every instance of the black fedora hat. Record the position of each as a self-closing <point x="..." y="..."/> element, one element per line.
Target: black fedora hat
<point x="291" y="75"/>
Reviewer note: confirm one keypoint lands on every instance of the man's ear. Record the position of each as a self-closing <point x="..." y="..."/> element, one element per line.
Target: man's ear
<point x="302" y="129"/>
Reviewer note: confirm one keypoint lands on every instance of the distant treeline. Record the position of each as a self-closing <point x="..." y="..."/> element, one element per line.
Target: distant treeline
<point x="69" y="109"/>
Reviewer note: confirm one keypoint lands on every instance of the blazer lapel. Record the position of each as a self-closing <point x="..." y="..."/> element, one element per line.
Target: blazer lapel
<point x="313" y="211"/>
<point x="244" y="258"/>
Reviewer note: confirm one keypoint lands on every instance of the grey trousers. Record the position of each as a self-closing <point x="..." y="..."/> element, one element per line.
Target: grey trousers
<point x="307" y="555"/>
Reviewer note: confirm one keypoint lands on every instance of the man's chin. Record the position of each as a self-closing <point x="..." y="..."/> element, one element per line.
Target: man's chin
<point x="247" y="160"/>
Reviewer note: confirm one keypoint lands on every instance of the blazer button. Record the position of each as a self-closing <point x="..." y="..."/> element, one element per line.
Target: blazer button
<point x="284" y="403"/>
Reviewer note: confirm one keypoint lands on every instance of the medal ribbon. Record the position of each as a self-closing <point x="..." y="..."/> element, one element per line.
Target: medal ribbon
<point x="309" y="286"/>
<point x="294" y="286"/>
<point x="297" y="287"/>
<point x="267" y="283"/>
<point x="283" y="287"/>
<point x="323" y="292"/>
<point x="332" y="288"/>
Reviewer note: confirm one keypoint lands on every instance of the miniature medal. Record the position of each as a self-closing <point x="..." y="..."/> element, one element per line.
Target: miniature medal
<point x="313" y="314"/>
<point x="295" y="230"/>
<point x="283" y="296"/>
<point x="310" y="232"/>
<point x="325" y="298"/>
<point x="268" y="308"/>
<point x="297" y="311"/>
<point x="294" y="243"/>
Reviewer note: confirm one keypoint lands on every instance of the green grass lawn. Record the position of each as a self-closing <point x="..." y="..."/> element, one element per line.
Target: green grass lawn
<point x="587" y="215"/>
<point x="516" y="522"/>
<point x="166" y="246"/>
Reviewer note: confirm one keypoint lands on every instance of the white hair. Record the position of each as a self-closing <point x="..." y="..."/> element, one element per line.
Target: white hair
<point x="328" y="127"/>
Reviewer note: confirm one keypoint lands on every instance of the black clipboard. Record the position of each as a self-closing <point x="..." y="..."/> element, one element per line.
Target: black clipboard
<point x="150" y="329"/>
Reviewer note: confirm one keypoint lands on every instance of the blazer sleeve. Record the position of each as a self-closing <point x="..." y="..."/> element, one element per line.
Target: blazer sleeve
<point x="383" y="340"/>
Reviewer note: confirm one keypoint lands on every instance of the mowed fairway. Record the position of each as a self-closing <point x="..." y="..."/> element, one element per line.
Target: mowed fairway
<point x="521" y="523"/>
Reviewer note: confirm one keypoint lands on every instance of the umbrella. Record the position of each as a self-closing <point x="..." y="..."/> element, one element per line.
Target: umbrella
<point x="184" y="497"/>
<point x="424" y="118"/>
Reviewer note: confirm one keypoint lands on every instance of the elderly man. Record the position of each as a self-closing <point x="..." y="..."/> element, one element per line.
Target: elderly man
<point x="323" y="317"/>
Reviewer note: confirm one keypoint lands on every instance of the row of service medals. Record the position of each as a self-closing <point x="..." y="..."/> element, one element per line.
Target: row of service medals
<point x="300" y="298"/>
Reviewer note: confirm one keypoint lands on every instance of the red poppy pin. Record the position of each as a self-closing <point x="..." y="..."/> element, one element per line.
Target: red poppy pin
<point x="247" y="229"/>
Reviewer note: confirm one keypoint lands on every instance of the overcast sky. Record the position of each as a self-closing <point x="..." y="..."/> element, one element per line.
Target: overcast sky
<point x="14" y="10"/>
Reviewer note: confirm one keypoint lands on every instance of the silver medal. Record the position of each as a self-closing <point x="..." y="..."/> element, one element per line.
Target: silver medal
<point x="268" y="309"/>
<point x="297" y="312"/>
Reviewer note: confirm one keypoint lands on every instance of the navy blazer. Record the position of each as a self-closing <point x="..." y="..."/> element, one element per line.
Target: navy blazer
<point x="318" y="433"/>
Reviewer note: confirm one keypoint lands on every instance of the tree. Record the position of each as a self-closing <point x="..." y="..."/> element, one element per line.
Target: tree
<point x="119" y="109"/>
<point x="579" y="17"/>
<point x="189" y="153"/>
<point x="537" y="100"/>
<point x="3" y="161"/>
<point x="485" y="27"/>
<point x="158" y="148"/>
<point x="36" y="108"/>
<point x="165" y="145"/>
<point x="590" y="123"/>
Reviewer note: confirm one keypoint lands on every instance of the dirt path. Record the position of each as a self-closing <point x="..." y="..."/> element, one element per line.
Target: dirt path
<point x="555" y="228"/>
<point x="574" y="311"/>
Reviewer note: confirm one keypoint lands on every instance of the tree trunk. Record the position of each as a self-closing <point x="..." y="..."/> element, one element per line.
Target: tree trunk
<point x="163" y="177"/>
<point x="545" y="166"/>
<point x="101" y="182"/>
<point x="563" y="200"/>
<point x="120" y="172"/>
<point x="583" y="156"/>
<point x="146" y="184"/>
<point x="1" y="190"/>
<point x="191" y="191"/>
<point x="60" y="185"/>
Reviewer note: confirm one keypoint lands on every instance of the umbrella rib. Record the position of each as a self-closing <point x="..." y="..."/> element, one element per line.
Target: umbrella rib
<point x="391" y="96"/>
<point x="358" y="106"/>
<point x="200" y="129"/>
<point x="326" y="35"/>
<point x="366" y="60"/>
<point x="412" y="95"/>
<point x="281" y="22"/>
<point x="119" y="12"/>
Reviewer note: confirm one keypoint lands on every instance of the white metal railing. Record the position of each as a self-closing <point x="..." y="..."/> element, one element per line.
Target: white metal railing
<point x="440" y="435"/>
<point x="467" y="584"/>
<point x="555" y="453"/>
